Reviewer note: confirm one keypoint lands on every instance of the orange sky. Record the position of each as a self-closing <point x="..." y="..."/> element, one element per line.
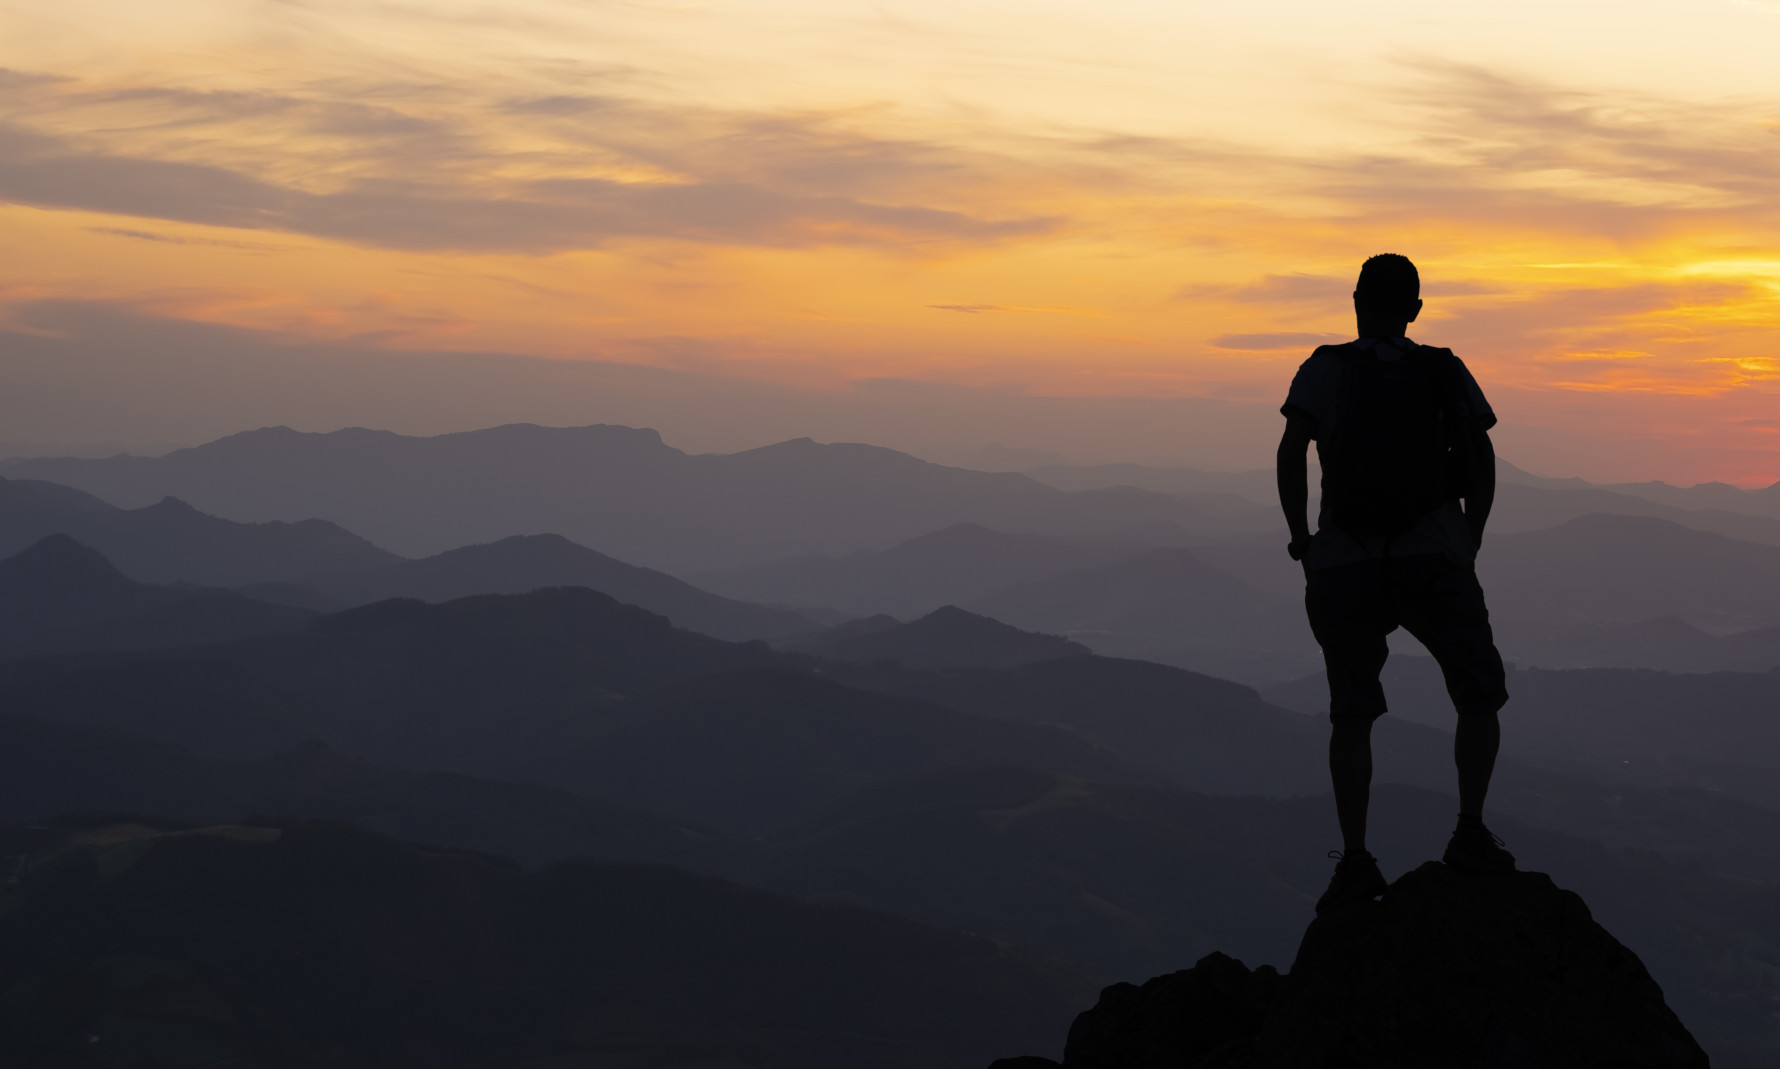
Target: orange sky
<point x="1118" y="199"/>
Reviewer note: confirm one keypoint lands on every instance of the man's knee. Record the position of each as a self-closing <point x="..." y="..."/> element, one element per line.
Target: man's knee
<point x="1357" y="716"/>
<point x="1481" y="707"/>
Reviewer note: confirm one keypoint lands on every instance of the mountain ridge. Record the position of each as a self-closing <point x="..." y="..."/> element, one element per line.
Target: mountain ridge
<point x="619" y="489"/>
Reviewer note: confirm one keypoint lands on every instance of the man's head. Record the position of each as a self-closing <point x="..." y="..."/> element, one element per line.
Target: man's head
<point x="1387" y="297"/>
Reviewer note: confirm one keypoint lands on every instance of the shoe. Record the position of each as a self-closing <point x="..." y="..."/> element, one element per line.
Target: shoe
<point x="1356" y="879"/>
<point x="1475" y="848"/>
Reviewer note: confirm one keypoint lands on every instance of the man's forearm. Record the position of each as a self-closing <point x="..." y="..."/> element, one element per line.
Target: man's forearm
<point x="1482" y="496"/>
<point x="1294" y="488"/>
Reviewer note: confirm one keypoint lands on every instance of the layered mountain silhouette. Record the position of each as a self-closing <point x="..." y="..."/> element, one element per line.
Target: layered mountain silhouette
<point x="48" y="769"/>
<point x="957" y="565"/>
<point x="1627" y="569"/>
<point x="616" y="488"/>
<point x="1206" y="733"/>
<point x="58" y="596"/>
<point x="1447" y="969"/>
<point x="524" y="563"/>
<point x="314" y="943"/>
<point x="1521" y="508"/>
<point x="754" y="751"/>
<point x="562" y="686"/>
<point x="1762" y="501"/>
<point x="1121" y="598"/>
<point x="948" y="637"/>
<point x="1030" y="803"/>
<point x="1167" y="605"/>
<point x="169" y="541"/>
<point x="469" y="686"/>
<point x="1524" y="502"/>
<point x="1668" y="644"/>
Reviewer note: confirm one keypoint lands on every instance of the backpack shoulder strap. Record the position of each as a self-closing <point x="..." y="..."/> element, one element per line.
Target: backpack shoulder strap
<point x="1443" y="365"/>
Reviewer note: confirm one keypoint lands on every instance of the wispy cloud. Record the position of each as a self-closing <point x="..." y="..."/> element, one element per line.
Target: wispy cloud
<point x="537" y="175"/>
<point x="1279" y="340"/>
<point x="175" y="239"/>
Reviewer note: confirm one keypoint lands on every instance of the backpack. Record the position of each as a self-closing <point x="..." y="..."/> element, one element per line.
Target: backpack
<point x="1401" y="445"/>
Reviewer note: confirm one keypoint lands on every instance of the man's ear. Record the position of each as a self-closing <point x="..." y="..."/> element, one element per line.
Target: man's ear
<point x="1414" y="310"/>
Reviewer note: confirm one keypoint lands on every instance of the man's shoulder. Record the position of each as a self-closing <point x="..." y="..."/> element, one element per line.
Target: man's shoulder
<point x="1335" y="349"/>
<point x="1439" y="352"/>
<point x="1328" y="356"/>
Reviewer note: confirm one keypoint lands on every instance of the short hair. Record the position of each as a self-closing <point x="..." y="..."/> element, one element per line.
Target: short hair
<point x="1388" y="280"/>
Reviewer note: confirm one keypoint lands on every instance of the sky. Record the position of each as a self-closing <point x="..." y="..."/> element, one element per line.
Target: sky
<point x="1110" y="229"/>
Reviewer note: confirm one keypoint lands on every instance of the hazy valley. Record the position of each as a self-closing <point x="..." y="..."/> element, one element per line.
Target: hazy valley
<point x="930" y="753"/>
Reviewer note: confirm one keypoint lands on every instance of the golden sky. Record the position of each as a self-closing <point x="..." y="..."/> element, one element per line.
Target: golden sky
<point x="1123" y="198"/>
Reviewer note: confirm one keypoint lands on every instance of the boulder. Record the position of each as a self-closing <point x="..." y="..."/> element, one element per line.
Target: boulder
<point x="1447" y="969"/>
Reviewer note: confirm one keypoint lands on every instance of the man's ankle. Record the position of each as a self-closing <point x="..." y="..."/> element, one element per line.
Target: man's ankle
<point x="1470" y="821"/>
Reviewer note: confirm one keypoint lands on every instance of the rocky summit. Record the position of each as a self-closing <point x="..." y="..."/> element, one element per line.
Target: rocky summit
<point x="1448" y="969"/>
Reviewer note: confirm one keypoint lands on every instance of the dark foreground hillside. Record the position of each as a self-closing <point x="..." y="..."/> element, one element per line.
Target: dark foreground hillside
<point x="316" y="944"/>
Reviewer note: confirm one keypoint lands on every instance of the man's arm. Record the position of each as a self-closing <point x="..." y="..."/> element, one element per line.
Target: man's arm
<point x="1483" y="485"/>
<point x="1294" y="482"/>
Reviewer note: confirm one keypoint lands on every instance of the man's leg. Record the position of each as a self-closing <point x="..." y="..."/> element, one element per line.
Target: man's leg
<point x="1350" y="769"/>
<point x="1474" y="747"/>
<point x="1442" y="606"/>
<point x="1346" y="607"/>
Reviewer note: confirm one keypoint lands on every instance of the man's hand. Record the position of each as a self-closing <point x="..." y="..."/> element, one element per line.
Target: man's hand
<point x="1483" y="485"/>
<point x="1294" y="482"/>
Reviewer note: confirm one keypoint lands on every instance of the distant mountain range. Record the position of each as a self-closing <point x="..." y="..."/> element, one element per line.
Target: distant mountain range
<point x="562" y="686"/>
<point x="1580" y="496"/>
<point x="957" y="565"/>
<point x="1666" y="644"/>
<point x="1624" y="569"/>
<point x="523" y="563"/>
<point x="1168" y="605"/>
<point x="619" y="489"/>
<point x="947" y="637"/>
<point x="172" y="542"/>
<point x="58" y="596"/>
<point x="1582" y="593"/>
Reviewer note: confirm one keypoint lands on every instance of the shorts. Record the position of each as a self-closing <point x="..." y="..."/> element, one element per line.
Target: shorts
<point x="1352" y="608"/>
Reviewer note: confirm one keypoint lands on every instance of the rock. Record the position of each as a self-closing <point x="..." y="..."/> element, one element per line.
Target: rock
<point x="1207" y="1015"/>
<point x="1454" y="969"/>
<point x="1446" y="970"/>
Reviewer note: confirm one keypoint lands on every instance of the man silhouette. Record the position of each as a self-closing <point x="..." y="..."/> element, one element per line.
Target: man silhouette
<point x="1401" y="431"/>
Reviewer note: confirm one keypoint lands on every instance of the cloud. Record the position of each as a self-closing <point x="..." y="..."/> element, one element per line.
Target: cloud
<point x="1293" y="288"/>
<point x="1523" y="153"/>
<point x="1280" y="340"/>
<point x="540" y="216"/>
<point x="969" y="309"/>
<point x="172" y="239"/>
<point x="584" y="172"/>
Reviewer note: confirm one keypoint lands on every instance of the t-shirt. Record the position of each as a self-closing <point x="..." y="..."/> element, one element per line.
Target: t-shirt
<point x="1314" y="395"/>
